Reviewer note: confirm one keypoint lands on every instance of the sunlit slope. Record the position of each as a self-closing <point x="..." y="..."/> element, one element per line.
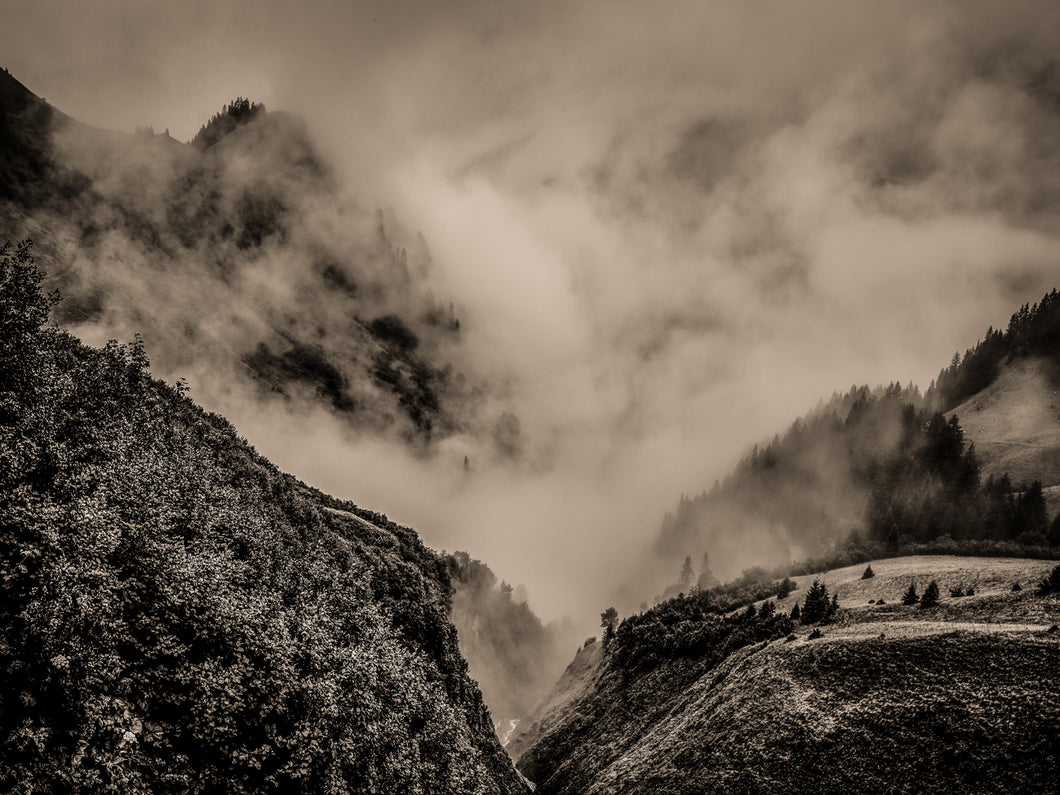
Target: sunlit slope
<point x="890" y="698"/>
<point x="1015" y="422"/>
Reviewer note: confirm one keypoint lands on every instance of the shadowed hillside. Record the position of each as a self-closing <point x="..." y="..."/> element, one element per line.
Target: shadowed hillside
<point x="177" y="613"/>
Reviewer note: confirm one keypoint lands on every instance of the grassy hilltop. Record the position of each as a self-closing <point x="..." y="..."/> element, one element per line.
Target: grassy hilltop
<point x="885" y="697"/>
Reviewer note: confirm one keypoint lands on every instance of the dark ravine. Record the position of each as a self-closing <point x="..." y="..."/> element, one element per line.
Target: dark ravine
<point x="176" y="612"/>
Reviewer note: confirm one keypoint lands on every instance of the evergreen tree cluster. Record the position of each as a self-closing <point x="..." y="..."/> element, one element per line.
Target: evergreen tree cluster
<point x="817" y="608"/>
<point x="929" y="487"/>
<point x="1033" y="330"/>
<point x="238" y="112"/>
<point x="889" y="464"/>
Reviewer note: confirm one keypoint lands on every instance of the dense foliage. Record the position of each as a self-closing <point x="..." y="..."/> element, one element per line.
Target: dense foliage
<point x="177" y="615"/>
<point x="653" y="657"/>
<point x="690" y="627"/>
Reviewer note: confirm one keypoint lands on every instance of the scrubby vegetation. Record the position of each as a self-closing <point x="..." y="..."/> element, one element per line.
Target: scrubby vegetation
<point x="177" y="615"/>
<point x="690" y="627"/>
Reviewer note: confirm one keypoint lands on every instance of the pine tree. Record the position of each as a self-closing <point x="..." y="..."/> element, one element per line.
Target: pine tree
<point x="796" y="613"/>
<point x="910" y="597"/>
<point x="930" y="597"/>
<point x="685" y="578"/>
<point x="787" y="585"/>
<point x="767" y="610"/>
<point x="706" y="576"/>
<point x="833" y="608"/>
<point x="608" y="619"/>
<point x="815" y="609"/>
<point x="868" y="573"/>
<point x="1051" y="584"/>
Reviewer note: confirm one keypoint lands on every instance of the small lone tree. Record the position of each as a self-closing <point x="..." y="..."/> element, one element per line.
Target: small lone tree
<point x="868" y="574"/>
<point x="608" y="619"/>
<point x="911" y="597"/>
<point x="833" y="608"/>
<point x="796" y="612"/>
<point x="787" y="585"/>
<point x="685" y="578"/>
<point x="930" y="597"/>
<point x="1051" y="584"/>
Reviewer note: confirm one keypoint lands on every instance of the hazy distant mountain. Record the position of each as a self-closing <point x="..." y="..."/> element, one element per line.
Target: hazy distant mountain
<point x="972" y="460"/>
<point x="177" y="615"/>
<point x="240" y="260"/>
<point x="882" y="697"/>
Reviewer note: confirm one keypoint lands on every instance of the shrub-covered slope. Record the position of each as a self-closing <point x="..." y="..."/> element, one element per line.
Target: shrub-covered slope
<point x="962" y="697"/>
<point x="177" y="615"/>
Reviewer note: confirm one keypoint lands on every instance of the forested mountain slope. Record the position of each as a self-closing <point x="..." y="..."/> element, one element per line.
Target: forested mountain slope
<point x="871" y="696"/>
<point x="179" y="616"/>
<point x="973" y="461"/>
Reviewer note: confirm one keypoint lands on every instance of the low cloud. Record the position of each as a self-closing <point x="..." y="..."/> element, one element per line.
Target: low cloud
<point x="667" y="232"/>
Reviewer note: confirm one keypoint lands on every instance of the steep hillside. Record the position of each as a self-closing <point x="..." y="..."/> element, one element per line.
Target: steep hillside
<point x="881" y="698"/>
<point x="176" y="615"/>
<point x="573" y="684"/>
<point x="513" y="656"/>
<point x="1015" y="422"/>
<point x="241" y="259"/>
<point x="975" y="458"/>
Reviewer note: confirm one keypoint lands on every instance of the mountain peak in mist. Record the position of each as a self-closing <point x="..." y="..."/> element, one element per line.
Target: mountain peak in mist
<point x="238" y="112"/>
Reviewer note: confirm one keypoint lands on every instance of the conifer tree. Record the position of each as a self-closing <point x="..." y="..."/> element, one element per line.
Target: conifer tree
<point x="685" y="578"/>
<point x="1051" y="584"/>
<point x="930" y="597"/>
<point x="787" y="585"/>
<point x="868" y="573"/>
<point x="796" y="613"/>
<point x="833" y="607"/>
<point x="608" y="619"/>
<point x="910" y="597"/>
<point x="815" y="609"/>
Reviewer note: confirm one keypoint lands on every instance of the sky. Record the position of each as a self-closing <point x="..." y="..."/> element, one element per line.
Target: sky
<point x="671" y="228"/>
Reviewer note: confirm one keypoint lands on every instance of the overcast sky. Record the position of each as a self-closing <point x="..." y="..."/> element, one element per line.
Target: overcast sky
<point x="672" y="226"/>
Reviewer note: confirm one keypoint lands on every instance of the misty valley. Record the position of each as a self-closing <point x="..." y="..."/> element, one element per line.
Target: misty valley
<point x="467" y="430"/>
